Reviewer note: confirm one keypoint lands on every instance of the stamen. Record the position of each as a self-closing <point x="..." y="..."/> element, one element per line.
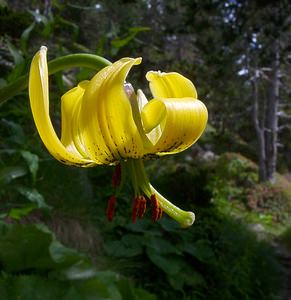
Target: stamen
<point x="142" y="206"/>
<point x="154" y="201"/>
<point x="157" y="211"/>
<point x="116" y="176"/>
<point x="138" y="208"/>
<point x="111" y="208"/>
<point x="135" y="208"/>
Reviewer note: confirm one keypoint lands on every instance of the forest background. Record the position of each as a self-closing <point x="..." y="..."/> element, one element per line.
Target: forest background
<point x="55" y="241"/>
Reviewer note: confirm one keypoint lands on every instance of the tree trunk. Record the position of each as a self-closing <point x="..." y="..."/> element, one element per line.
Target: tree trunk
<point x="271" y="127"/>
<point x="259" y="132"/>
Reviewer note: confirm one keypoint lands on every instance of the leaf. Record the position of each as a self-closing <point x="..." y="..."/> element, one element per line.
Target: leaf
<point x="144" y="295"/>
<point x="26" y="247"/>
<point x="160" y="245"/>
<point x="200" y="250"/>
<point x="16" y="133"/>
<point x="170" y="225"/>
<point x="18" y="213"/>
<point x="170" y="264"/>
<point x="104" y="283"/>
<point x="32" y="161"/>
<point x="39" y="17"/>
<point x="16" y="54"/>
<point x="19" y="62"/>
<point x="130" y="245"/>
<point x="190" y="278"/>
<point x="34" y="196"/>
<point x="25" y="36"/>
<point x="118" y="43"/>
<point x="70" y="25"/>
<point x="3" y="82"/>
<point x="7" y="174"/>
<point x="24" y="287"/>
<point x="78" y="271"/>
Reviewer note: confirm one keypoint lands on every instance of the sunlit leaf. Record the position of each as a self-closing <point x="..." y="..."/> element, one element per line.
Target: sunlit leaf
<point x="18" y="213"/>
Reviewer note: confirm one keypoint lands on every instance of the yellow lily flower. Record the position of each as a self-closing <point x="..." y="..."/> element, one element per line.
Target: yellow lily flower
<point x="105" y="122"/>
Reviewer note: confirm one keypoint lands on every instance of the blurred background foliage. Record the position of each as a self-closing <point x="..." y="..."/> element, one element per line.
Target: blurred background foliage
<point x="53" y="231"/>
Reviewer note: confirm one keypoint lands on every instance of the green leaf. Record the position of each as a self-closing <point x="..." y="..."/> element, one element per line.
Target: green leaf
<point x="18" y="213"/>
<point x="70" y="25"/>
<point x="81" y="270"/>
<point x="170" y="264"/>
<point x="118" y="43"/>
<point x="170" y="225"/>
<point x="188" y="277"/>
<point x="16" y="133"/>
<point x="130" y="245"/>
<point x="7" y="174"/>
<point x="39" y="17"/>
<point x="32" y="162"/>
<point x="160" y="245"/>
<point x="16" y="54"/>
<point x="144" y="295"/>
<point x="25" y="36"/>
<point x="104" y="283"/>
<point x="25" y="247"/>
<point x="201" y="250"/>
<point x="34" y="196"/>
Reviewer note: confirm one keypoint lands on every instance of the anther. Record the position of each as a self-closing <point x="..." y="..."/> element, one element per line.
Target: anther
<point x="157" y="211"/>
<point x="154" y="201"/>
<point x="142" y="206"/>
<point x="134" y="210"/>
<point x="111" y="208"/>
<point x="116" y="176"/>
<point x="138" y="208"/>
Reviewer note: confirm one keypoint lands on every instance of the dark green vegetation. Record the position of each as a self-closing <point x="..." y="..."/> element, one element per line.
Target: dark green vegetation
<point x="55" y="241"/>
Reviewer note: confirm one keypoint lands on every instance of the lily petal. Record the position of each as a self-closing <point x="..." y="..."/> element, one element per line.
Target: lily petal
<point x="107" y="113"/>
<point x="71" y="136"/>
<point x="170" y="85"/>
<point x="181" y="117"/>
<point x="182" y="123"/>
<point x="150" y="122"/>
<point x="39" y="101"/>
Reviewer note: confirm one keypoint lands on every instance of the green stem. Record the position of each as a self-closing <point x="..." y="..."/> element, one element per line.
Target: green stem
<point x="123" y="178"/>
<point x="185" y="218"/>
<point x="61" y="63"/>
<point x="133" y="176"/>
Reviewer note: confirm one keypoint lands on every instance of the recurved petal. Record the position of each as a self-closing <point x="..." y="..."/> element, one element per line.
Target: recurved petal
<point x="39" y="102"/>
<point x="71" y="135"/>
<point x="108" y="110"/>
<point x="170" y="85"/>
<point x="182" y="122"/>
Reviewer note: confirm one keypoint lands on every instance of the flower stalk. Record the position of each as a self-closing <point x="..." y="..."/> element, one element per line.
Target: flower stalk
<point x="80" y="60"/>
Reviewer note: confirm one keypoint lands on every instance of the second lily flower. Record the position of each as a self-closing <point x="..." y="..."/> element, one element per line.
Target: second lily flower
<point x="104" y="121"/>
